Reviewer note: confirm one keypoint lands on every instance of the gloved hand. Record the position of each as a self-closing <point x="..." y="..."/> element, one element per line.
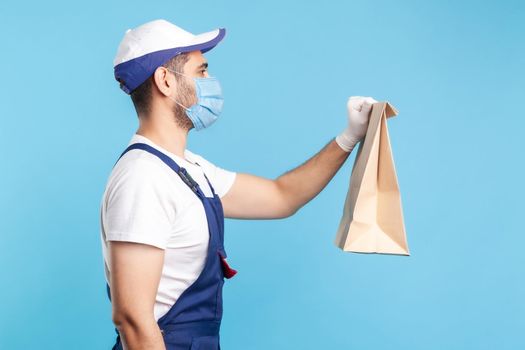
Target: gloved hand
<point x="359" y="108"/>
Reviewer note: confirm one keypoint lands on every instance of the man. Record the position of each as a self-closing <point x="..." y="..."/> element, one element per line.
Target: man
<point x="163" y="209"/>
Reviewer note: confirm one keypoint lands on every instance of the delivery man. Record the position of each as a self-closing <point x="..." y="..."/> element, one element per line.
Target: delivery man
<point x="163" y="208"/>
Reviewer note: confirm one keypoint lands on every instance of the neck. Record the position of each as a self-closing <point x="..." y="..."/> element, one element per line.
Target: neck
<point x="162" y="130"/>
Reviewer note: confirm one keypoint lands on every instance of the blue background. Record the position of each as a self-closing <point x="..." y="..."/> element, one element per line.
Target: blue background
<point x="455" y="72"/>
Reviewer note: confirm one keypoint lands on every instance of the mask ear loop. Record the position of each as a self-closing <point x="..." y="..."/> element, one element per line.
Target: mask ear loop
<point x="174" y="71"/>
<point x="186" y="108"/>
<point x="171" y="70"/>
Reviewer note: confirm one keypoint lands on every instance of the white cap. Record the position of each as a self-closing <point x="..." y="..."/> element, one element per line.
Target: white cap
<point x="150" y="45"/>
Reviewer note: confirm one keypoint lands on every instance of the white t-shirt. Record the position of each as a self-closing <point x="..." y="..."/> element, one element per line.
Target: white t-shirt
<point x="145" y="201"/>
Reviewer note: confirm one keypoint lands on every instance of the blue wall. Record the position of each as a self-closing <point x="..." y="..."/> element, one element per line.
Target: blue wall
<point x="455" y="72"/>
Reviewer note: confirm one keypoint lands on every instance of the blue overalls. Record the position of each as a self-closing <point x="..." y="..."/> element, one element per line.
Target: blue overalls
<point x="193" y="322"/>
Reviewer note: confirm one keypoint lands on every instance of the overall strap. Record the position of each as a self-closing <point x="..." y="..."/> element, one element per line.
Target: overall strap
<point x="188" y="180"/>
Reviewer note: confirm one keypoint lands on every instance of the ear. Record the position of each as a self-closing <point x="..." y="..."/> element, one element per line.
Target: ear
<point x="164" y="81"/>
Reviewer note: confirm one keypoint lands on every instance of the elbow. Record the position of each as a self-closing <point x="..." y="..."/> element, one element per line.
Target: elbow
<point x="287" y="210"/>
<point x="286" y="206"/>
<point x="292" y="210"/>
<point x="125" y="321"/>
<point x="121" y="319"/>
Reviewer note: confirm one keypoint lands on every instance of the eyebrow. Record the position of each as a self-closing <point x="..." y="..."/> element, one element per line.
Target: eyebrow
<point x="203" y="65"/>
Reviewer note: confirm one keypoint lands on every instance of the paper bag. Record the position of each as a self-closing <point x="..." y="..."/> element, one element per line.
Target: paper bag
<point x="372" y="219"/>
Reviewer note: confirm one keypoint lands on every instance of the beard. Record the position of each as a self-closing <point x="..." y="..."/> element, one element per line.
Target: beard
<point x="186" y="97"/>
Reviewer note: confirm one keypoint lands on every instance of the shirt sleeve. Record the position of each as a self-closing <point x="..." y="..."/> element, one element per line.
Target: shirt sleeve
<point x="221" y="179"/>
<point x="137" y="209"/>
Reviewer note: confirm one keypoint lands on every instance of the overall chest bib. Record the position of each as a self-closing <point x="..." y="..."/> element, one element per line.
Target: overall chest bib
<point x="193" y="322"/>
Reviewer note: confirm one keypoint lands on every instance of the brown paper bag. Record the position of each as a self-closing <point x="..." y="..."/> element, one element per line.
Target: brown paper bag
<point x="372" y="219"/>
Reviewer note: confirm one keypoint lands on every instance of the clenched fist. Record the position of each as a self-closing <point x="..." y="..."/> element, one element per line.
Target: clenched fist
<point x="359" y="108"/>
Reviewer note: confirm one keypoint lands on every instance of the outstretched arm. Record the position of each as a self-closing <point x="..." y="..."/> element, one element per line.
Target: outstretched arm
<point x="254" y="197"/>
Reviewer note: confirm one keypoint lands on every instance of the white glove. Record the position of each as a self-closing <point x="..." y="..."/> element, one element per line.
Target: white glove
<point x="359" y="108"/>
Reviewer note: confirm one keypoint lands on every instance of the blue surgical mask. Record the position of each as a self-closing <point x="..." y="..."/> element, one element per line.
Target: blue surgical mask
<point x="209" y="102"/>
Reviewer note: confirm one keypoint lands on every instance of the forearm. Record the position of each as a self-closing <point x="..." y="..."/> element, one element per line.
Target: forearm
<point x="303" y="183"/>
<point x="140" y="336"/>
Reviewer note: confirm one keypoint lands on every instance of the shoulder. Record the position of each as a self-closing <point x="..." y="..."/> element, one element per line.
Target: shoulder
<point x="136" y="171"/>
<point x="137" y="163"/>
<point x="139" y="205"/>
